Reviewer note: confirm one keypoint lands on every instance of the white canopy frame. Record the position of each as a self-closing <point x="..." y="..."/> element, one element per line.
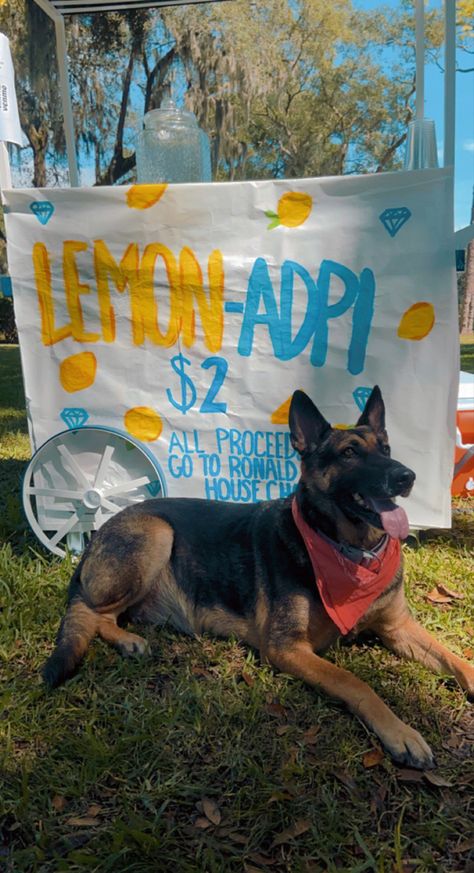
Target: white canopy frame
<point x="58" y="9"/>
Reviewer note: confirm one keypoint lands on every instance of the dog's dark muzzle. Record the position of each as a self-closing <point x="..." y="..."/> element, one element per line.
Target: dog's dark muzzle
<point x="400" y="481"/>
<point x="383" y="477"/>
<point x="370" y="499"/>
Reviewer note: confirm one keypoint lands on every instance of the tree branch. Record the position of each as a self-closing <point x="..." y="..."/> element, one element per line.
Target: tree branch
<point x="115" y="169"/>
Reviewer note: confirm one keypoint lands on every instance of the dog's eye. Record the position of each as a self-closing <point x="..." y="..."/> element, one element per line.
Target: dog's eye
<point x="386" y="450"/>
<point x="349" y="452"/>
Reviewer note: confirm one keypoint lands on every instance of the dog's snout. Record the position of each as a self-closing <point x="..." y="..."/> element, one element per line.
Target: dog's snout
<point x="403" y="479"/>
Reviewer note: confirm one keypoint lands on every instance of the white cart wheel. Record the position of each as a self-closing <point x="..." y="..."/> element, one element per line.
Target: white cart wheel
<point x="80" y="478"/>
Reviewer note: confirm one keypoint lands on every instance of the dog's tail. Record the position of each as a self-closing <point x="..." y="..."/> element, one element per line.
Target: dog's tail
<point x="78" y="627"/>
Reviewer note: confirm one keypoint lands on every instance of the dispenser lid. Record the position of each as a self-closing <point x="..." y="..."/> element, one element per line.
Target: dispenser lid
<point x="169" y="113"/>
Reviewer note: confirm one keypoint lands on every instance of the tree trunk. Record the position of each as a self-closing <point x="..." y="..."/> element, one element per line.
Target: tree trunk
<point x="467" y="325"/>
<point x="38" y="140"/>
<point x="39" y="177"/>
<point x="118" y="164"/>
<point x="467" y="322"/>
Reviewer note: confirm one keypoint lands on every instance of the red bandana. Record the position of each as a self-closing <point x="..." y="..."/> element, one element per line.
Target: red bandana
<point x="347" y="589"/>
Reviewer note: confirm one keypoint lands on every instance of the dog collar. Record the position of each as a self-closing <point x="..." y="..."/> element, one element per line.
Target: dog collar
<point x="354" y="553"/>
<point x="347" y="587"/>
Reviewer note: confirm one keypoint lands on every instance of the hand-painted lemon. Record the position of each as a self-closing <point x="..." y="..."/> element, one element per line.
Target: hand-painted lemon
<point x="282" y="413"/>
<point x="143" y="423"/>
<point x="144" y="196"/>
<point x="78" y="371"/>
<point x="294" y="208"/>
<point x="417" y="321"/>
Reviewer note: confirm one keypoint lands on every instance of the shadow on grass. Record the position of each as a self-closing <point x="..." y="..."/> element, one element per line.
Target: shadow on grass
<point x="107" y="773"/>
<point x="111" y="775"/>
<point x="13" y="522"/>
<point x="11" y="386"/>
<point x="15" y="450"/>
<point x="467" y="357"/>
<point x="12" y="421"/>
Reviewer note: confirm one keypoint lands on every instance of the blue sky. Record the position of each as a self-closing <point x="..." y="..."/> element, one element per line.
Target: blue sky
<point x="434" y="108"/>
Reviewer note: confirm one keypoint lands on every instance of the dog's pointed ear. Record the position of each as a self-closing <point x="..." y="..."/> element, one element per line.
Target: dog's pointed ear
<point x="307" y="426"/>
<point x="374" y="412"/>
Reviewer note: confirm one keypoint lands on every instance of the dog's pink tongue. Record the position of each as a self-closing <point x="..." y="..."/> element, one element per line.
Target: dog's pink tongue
<point x="394" y="518"/>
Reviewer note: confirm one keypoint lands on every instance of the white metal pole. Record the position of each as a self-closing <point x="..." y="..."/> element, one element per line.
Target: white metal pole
<point x="420" y="58"/>
<point x="449" y="81"/>
<point x="61" y="48"/>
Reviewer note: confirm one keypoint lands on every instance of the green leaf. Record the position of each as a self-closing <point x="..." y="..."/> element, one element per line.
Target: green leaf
<point x="274" y="223"/>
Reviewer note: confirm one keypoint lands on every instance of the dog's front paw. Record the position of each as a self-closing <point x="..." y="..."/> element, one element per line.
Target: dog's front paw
<point x="465" y="677"/>
<point x="406" y="746"/>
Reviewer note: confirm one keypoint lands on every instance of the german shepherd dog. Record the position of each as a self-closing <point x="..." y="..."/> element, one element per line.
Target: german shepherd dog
<point x="244" y="570"/>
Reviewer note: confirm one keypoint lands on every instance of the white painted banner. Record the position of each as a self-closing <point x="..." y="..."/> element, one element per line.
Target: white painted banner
<point x="10" y="130"/>
<point x="186" y="315"/>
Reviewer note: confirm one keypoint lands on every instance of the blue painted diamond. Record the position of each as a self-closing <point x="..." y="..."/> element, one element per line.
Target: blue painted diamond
<point x="74" y="417"/>
<point x="394" y="219"/>
<point x="361" y="396"/>
<point x="43" y="209"/>
<point x="154" y="488"/>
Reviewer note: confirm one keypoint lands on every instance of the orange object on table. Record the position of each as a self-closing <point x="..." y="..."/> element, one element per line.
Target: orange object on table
<point x="463" y="477"/>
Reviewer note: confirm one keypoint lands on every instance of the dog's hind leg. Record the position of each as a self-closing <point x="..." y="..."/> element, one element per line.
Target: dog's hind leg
<point x="118" y="571"/>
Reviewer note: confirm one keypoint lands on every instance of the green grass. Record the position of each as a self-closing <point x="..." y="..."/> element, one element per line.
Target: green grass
<point x="467" y="353"/>
<point x="135" y="745"/>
